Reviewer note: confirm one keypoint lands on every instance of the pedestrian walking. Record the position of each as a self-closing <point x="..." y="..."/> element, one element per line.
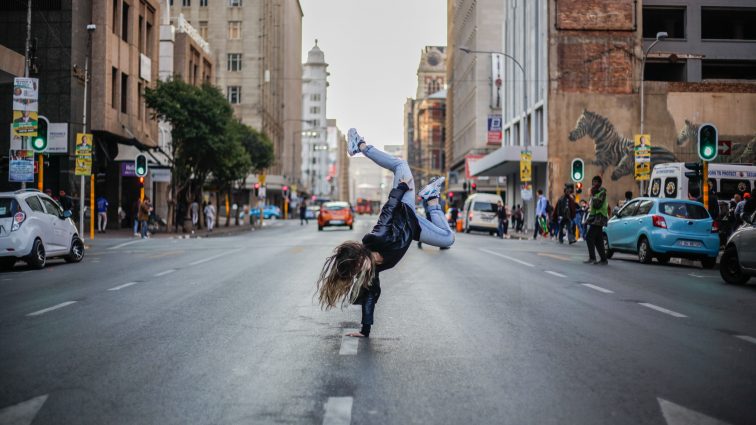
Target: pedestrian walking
<point x="581" y="214"/>
<point x="194" y="211"/>
<point x="518" y="218"/>
<point x="135" y="207"/>
<point x="65" y="201"/>
<point x="541" y="220"/>
<point x="351" y="274"/>
<point x="503" y="220"/>
<point x="210" y="215"/>
<point x="102" y="214"/>
<point x="454" y="215"/>
<point x="144" y="216"/>
<point x="598" y="216"/>
<point x="566" y="210"/>
<point x="303" y="213"/>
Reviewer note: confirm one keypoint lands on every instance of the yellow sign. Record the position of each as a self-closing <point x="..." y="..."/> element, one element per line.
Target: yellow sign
<point x="84" y="144"/>
<point x="261" y="178"/>
<point x="526" y="166"/>
<point x="642" y="154"/>
<point x="25" y="123"/>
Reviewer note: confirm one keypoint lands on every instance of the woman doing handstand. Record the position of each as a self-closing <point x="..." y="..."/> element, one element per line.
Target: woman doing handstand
<point x="350" y="275"/>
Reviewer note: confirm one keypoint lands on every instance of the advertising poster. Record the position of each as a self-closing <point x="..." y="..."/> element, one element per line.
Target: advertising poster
<point x="57" y="138"/>
<point x="526" y="166"/>
<point x="642" y="152"/>
<point x="26" y="94"/>
<point x="494" y="129"/>
<point x="526" y="191"/>
<point x="83" y="154"/>
<point x="25" y="123"/>
<point x="21" y="167"/>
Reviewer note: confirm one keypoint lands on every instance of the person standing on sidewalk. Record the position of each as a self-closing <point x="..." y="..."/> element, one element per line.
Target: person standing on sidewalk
<point x="598" y="217"/>
<point x="144" y="216"/>
<point x="194" y="210"/>
<point x="303" y="213"/>
<point x="210" y="215"/>
<point x="501" y="217"/>
<point x="566" y="211"/>
<point x="540" y="213"/>
<point x="102" y="214"/>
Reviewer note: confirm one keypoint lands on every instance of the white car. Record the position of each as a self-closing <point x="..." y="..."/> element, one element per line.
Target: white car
<point x="738" y="263"/>
<point x="33" y="227"/>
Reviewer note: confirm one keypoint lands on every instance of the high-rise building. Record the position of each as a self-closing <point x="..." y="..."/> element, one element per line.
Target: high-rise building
<point x="315" y="158"/>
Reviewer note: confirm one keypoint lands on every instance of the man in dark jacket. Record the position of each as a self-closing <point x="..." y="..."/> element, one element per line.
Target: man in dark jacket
<point x="566" y="210"/>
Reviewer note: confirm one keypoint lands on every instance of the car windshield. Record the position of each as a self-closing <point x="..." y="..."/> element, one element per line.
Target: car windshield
<point x="336" y="206"/>
<point x="484" y="207"/>
<point x="7" y="207"/>
<point x="683" y="210"/>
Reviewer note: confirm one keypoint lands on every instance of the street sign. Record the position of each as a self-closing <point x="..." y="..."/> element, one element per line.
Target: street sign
<point x="83" y="154"/>
<point x="725" y="147"/>
<point x="25" y="106"/>
<point x="494" y="129"/>
<point x="57" y="137"/>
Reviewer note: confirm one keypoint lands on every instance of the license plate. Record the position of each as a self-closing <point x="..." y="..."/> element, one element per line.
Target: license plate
<point x="690" y="244"/>
<point x="336" y="222"/>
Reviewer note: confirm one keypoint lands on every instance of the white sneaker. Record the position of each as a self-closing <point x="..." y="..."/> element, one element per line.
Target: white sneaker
<point x="353" y="142"/>
<point x="433" y="189"/>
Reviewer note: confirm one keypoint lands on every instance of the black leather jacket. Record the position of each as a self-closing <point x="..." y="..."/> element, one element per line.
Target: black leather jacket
<point x="397" y="227"/>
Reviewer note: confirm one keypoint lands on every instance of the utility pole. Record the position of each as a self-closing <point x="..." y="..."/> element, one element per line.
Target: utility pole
<point x="90" y="30"/>
<point x="26" y="62"/>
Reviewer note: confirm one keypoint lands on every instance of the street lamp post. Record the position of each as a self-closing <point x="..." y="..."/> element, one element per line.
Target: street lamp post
<point x="90" y="29"/>
<point x="659" y="37"/>
<point x="526" y="125"/>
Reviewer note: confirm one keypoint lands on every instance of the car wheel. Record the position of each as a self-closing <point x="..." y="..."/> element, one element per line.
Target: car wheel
<point x="609" y="252"/>
<point x="709" y="262"/>
<point x="663" y="258"/>
<point x="37" y="257"/>
<point x="320" y="228"/>
<point x="351" y="227"/>
<point x="729" y="268"/>
<point x="645" y="255"/>
<point x="7" y="263"/>
<point x="77" y="251"/>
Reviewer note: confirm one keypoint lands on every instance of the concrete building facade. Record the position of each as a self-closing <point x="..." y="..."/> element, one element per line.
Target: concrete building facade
<point x="315" y="148"/>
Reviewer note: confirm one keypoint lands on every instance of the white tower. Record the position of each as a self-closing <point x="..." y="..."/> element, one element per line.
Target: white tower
<point x="314" y="129"/>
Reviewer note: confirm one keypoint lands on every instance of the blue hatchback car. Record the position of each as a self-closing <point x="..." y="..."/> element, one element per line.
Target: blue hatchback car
<point x="269" y="211"/>
<point x="663" y="228"/>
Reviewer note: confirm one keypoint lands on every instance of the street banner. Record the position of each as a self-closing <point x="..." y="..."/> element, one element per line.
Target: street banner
<point x="469" y="160"/>
<point x="26" y="94"/>
<point x="57" y="137"/>
<point x="21" y="166"/>
<point x="25" y="123"/>
<point x="16" y="142"/>
<point x="642" y="151"/>
<point x="83" y="154"/>
<point x="526" y="165"/>
<point x="526" y="191"/>
<point x="494" y="129"/>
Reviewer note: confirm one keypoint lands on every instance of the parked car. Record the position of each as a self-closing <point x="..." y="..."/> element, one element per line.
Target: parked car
<point x="663" y="228"/>
<point x="738" y="263"/>
<point x="479" y="213"/>
<point x="335" y="214"/>
<point x="269" y="211"/>
<point x="33" y="228"/>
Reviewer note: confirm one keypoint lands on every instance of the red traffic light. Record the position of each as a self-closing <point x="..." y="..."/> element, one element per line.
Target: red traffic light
<point x="474" y="186"/>
<point x="579" y="187"/>
<point x="141" y="181"/>
<point x="286" y="188"/>
<point x="451" y="195"/>
<point x="257" y="185"/>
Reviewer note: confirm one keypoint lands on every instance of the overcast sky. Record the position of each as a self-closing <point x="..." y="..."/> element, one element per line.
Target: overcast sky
<point x="373" y="49"/>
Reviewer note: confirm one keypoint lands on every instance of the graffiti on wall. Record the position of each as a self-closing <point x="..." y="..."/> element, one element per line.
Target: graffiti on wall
<point x="741" y="153"/>
<point x="611" y="148"/>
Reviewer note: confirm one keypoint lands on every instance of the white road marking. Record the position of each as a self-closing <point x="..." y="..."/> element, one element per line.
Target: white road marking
<point x="703" y="276"/>
<point x="338" y="411"/>
<point x="125" y="244"/>
<point x="49" y="309"/>
<point x="22" y="413"/>
<point x="165" y="272"/>
<point x="675" y="414"/>
<point x="750" y="339"/>
<point x="507" y="257"/>
<point x="349" y="343"/>
<point x="662" y="310"/>
<point x="597" y="288"/>
<point x="205" y="260"/>
<point x="556" y="274"/>
<point x="125" y="285"/>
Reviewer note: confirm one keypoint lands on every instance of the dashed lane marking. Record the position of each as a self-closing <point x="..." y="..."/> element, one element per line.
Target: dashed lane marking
<point x="507" y="257"/>
<point x="121" y="245"/>
<point x="750" y="339"/>
<point x="22" y="413"/>
<point x="165" y="272"/>
<point x="663" y="310"/>
<point x="556" y="274"/>
<point x="214" y="257"/>
<point x="338" y="411"/>
<point x="349" y="344"/>
<point x="49" y="309"/>
<point x="597" y="288"/>
<point x="125" y="285"/>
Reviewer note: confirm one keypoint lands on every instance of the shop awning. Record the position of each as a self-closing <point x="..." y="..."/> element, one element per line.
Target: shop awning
<point x="506" y="160"/>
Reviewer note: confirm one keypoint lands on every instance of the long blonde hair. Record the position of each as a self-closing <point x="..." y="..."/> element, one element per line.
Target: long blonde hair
<point x="350" y="268"/>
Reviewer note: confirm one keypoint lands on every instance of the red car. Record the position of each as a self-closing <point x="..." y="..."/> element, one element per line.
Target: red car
<point x="336" y="214"/>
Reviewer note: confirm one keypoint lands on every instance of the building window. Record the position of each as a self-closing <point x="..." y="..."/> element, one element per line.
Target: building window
<point x="665" y="71"/>
<point x="203" y="3"/>
<point x="124" y="93"/>
<point x="234" y="95"/>
<point x="235" y="3"/>
<point x="315" y="109"/>
<point x="141" y="34"/>
<point x="125" y="22"/>
<point x="115" y="16"/>
<point x="728" y="69"/>
<point x="114" y="89"/>
<point x="728" y="23"/>
<point x="186" y="3"/>
<point x="203" y="29"/>
<point x="664" y="19"/>
<point x="148" y="48"/>
<point x="315" y="97"/>
<point x="234" y="62"/>
<point x="234" y="30"/>
<point x="140" y="105"/>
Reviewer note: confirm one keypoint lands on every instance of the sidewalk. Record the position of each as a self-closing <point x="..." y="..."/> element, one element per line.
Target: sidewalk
<point x="220" y="230"/>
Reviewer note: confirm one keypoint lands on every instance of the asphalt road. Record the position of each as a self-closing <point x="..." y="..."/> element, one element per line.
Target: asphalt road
<point x="226" y="331"/>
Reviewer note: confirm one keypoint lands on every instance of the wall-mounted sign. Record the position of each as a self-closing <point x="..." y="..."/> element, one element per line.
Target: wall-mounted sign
<point x="494" y="129"/>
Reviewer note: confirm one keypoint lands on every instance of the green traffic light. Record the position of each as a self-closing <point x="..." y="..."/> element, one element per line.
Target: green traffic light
<point x="140" y="171"/>
<point x="39" y="143"/>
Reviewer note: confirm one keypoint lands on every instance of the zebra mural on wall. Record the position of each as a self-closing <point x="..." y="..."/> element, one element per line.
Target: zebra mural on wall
<point x="742" y="153"/>
<point x="612" y="148"/>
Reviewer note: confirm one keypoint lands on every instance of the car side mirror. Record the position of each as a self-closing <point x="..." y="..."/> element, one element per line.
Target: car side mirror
<point x="66" y="214"/>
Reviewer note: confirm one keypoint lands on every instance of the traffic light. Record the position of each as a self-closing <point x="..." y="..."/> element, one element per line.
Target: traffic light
<point x="579" y="188"/>
<point x="696" y="171"/>
<point x="708" y="141"/>
<point x="39" y="142"/>
<point x="577" y="170"/>
<point x="140" y="165"/>
<point x="451" y="197"/>
<point x="141" y="182"/>
<point x="474" y="187"/>
<point x="285" y="190"/>
<point x="464" y="186"/>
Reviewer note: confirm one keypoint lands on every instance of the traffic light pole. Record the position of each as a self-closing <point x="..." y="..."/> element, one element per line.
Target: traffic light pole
<point x="705" y="184"/>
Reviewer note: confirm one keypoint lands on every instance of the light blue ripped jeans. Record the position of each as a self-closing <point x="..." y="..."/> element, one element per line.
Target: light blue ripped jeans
<point x="435" y="231"/>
